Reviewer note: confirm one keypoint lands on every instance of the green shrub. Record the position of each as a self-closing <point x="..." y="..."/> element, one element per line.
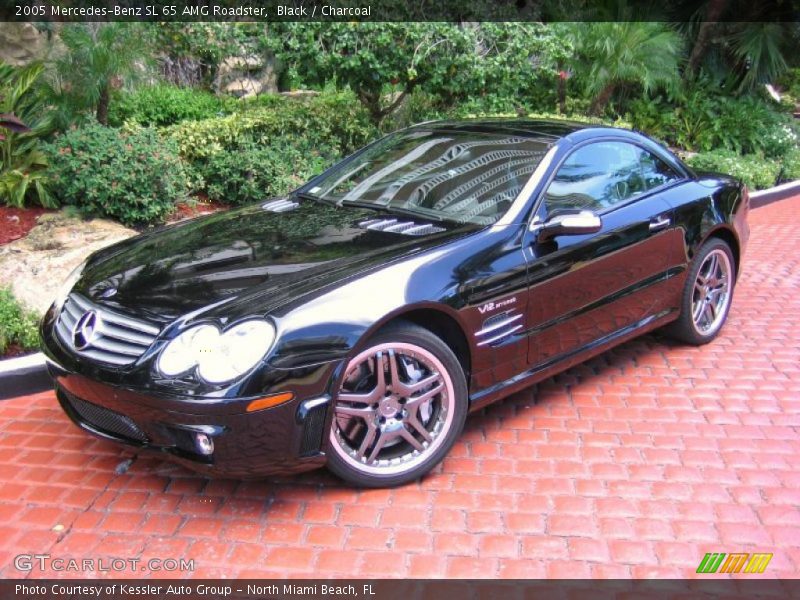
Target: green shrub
<point x="753" y="169"/>
<point x="17" y="325"/>
<point x="781" y="138"/>
<point x="790" y="171"/>
<point x="163" y="104"/>
<point x="251" y="171"/>
<point x="132" y="176"/>
<point x="704" y="120"/>
<point x="334" y="120"/>
<point x="790" y="82"/>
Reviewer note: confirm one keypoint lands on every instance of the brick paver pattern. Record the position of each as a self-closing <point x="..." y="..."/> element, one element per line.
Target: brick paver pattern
<point x="636" y="463"/>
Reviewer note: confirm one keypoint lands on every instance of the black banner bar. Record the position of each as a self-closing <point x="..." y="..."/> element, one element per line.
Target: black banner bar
<point x="752" y="586"/>
<point x="266" y="11"/>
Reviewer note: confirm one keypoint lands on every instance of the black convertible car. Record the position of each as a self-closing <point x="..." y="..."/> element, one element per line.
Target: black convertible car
<point x="356" y="321"/>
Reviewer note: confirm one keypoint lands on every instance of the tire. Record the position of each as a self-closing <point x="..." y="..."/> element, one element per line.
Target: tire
<point x="707" y="294"/>
<point x="392" y="426"/>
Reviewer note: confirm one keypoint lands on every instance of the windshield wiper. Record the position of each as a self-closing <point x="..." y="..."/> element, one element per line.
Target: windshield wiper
<point x="372" y="206"/>
<point x="314" y="197"/>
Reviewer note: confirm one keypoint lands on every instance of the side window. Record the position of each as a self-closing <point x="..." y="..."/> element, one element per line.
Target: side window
<point x="655" y="171"/>
<point x="598" y="176"/>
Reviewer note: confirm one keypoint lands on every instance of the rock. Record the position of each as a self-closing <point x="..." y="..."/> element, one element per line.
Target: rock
<point x="22" y="43"/>
<point x="301" y="93"/>
<point x="36" y="265"/>
<point x="241" y="63"/>
<point x="247" y="75"/>
<point x="244" y="88"/>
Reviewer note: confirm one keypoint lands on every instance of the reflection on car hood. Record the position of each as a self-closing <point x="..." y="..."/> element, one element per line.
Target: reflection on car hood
<point x="279" y="256"/>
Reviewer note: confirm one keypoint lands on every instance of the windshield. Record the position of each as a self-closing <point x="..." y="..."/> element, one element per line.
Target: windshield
<point x="455" y="175"/>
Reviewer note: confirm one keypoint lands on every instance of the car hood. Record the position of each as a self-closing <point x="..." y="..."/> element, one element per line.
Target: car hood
<point x="244" y="253"/>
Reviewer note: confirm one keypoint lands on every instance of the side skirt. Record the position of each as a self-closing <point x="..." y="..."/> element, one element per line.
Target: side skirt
<point x="540" y="372"/>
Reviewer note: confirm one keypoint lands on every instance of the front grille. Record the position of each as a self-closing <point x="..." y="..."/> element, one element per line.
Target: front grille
<point x="105" y="420"/>
<point x="116" y="339"/>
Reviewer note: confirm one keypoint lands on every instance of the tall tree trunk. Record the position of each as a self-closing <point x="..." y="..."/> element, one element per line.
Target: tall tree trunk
<point x="372" y="102"/>
<point x="102" y="106"/>
<point x="713" y="13"/>
<point x="601" y="100"/>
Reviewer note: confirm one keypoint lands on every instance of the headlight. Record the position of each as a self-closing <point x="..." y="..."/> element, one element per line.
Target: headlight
<point x="219" y="357"/>
<point x="68" y="284"/>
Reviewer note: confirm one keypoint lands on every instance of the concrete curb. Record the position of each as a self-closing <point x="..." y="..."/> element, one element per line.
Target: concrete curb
<point x="23" y="375"/>
<point x="28" y="374"/>
<point x="773" y="194"/>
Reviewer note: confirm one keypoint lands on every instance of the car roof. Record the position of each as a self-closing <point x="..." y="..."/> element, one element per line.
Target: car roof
<point x="553" y="129"/>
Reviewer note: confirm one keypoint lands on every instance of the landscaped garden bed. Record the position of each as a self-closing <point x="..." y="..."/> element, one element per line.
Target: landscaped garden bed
<point x="142" y="144"/>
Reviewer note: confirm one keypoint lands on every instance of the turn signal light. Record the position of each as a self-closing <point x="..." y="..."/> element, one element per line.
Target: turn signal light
<point x="270" y="401"/>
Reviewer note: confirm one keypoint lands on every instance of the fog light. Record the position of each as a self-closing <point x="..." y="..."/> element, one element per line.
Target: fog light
<point x="205" y="445"/>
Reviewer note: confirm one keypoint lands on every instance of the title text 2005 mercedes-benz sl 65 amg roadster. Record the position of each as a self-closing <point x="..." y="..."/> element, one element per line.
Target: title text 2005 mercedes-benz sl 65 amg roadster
<point x="356" y="321"/>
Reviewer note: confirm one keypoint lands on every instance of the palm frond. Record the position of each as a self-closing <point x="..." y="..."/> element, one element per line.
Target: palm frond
<point x="758" y="46"/>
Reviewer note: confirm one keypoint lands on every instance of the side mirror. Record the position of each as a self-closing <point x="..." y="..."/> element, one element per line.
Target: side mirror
<point x="579" y="223"/>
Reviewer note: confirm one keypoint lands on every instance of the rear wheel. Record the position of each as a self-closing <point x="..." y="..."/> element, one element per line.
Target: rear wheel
<point x="707" y="294"/>
<point x="401" y="406"/>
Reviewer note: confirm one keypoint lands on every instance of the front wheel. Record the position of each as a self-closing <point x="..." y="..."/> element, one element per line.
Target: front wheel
<point x="401" y="406"/>
<point x="707" y="294"/>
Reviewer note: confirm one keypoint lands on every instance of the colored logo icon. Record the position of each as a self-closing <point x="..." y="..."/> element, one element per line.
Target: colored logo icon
<point x="716" y="562"/>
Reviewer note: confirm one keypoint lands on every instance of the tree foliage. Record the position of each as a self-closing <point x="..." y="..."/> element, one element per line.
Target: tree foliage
<point x="100" y="57"/>
<point x="24" y="120"/>
<point x="740" y="43"/>
<point x="612" y="54"/>
<point x="384" y="62"/>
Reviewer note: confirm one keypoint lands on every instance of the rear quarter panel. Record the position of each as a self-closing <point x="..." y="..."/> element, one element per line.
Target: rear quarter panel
<point x="711" y="204"/>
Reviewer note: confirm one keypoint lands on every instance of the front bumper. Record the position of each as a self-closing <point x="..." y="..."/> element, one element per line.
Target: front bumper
<point x="284" y="439"/>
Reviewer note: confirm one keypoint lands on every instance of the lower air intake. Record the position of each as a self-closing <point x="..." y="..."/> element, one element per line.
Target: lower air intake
<point x="313" y="425"/>
<point x="105" y="420"/>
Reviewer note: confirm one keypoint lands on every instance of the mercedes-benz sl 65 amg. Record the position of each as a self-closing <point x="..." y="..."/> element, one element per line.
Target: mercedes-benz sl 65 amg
<point x="356" y="321"/>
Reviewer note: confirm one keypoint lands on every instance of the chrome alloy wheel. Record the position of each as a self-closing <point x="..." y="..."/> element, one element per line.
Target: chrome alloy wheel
<point x="712" y="292"/>
<point x="394" y="409"/>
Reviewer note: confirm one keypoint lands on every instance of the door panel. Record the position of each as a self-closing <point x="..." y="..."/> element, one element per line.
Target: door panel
<point x="583" y="288"/>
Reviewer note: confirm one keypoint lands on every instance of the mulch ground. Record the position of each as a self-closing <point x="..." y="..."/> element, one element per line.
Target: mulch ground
<point x="15" y="223"/>
<point x="202" y="206"/>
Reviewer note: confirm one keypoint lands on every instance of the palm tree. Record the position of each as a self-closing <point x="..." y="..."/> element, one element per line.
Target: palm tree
<point x="758" y="48"/>
<point x="611" y="54"/>
<point x="711" y="16"/>
<point x="99" y="58"/>
<point x="23" y="121"/>
<point x="740" y="42"/>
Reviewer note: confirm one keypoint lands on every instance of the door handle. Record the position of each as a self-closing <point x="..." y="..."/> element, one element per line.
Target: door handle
<point x="659" y="223"/>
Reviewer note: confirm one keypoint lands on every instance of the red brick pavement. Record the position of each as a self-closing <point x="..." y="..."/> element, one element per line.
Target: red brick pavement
<point x="632" y="465"/>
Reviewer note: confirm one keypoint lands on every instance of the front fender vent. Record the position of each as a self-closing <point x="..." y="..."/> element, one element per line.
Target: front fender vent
<point x="498" y="328"/>
<point x="398" y="226"/>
